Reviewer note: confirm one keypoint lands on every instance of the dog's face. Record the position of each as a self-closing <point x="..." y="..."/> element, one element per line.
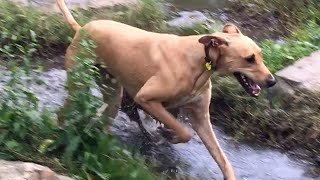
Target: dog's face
<point x="239" y="55"/>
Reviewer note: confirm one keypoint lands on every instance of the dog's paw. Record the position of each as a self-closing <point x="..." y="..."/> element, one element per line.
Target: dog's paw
<point x="166" y="133"/>
<point x="170" y="135"/>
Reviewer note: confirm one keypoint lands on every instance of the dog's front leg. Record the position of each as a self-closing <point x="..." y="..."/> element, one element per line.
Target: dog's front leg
<point x="198" y="113"/>
<point x="150" y="97"/>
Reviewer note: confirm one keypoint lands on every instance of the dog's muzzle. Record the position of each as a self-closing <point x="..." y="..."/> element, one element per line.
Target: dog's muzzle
<point x="271" y="81"/>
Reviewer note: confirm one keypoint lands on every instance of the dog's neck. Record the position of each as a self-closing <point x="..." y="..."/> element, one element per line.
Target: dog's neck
<point x="197" y="56"/>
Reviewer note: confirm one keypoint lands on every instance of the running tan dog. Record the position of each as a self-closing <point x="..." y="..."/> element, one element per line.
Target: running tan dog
<point x="165" y="72"/>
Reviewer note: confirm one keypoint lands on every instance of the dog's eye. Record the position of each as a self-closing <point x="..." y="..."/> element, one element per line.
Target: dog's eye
<point x="251" y="59"/>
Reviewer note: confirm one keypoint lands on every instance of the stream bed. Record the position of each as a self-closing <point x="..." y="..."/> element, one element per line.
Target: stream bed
<point x="191" y="160"/>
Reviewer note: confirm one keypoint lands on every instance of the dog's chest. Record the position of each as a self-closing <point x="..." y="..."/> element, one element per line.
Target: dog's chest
<point x="193" y="96"/>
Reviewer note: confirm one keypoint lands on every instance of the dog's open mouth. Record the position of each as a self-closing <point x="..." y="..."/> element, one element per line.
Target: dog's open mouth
<point x="248" y="84"/>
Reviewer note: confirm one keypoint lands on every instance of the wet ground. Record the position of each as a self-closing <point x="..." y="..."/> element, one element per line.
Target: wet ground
<point x="190" y="159"/>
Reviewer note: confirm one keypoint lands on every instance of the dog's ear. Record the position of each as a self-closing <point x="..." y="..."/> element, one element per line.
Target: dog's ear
<point x="231" y="28"/>
<point x="216" y="40"/>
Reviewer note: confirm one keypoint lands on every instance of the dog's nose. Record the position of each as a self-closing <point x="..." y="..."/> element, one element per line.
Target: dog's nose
<point x="271" y="81"/>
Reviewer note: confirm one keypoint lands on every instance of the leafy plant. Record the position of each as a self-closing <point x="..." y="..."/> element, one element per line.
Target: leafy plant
<point x="82" y="148"/>
<point x="24" y="31"/>
<point x="20" y="120"/>
<point x="148" y="15"/>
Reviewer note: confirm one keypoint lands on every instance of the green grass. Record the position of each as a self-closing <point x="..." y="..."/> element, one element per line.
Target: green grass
<point x="37" y="31"/>
<point x="25" y="31"/>
<point x="302" y="42"/>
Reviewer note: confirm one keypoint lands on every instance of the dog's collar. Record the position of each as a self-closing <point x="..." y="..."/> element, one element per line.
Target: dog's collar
<point x="207" y="57"/>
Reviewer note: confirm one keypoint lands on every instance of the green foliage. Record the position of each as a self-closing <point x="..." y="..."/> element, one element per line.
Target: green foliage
<point x="28" y="31"/>
<point x="24" y="31"/>
<point x="303" y="41"/>
<point x="23" y="128"/>
<point x="148" y="15"/>
<point x="82" y="147"/>
<point x="290" y="13"/>
<point x="201" y="28"/>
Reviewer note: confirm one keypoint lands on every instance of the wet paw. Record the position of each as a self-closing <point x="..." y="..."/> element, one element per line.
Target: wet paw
<point x="170" y="135"/>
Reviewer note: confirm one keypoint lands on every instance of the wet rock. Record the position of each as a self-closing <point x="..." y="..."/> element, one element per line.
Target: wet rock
<point x="303" y="76"/>
<point x="10" y="170"/>
<point x="188" y="19"/>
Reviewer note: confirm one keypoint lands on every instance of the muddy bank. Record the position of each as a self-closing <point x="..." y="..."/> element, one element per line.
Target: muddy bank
<point x="190" y="159"/>
<point x="252" y="19"/>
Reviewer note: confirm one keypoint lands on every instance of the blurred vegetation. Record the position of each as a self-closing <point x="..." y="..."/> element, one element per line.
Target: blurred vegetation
<point x="81" y="147"/>
<point x="293" y="122"/>
<point x="272" y="18"/>
<point x="291" y="13"/>
<point x="303" y="41"/>
<point x="301" y="19"/>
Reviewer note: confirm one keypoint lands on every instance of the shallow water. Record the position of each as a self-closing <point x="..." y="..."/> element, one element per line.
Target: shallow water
<point x="190" y="159"/>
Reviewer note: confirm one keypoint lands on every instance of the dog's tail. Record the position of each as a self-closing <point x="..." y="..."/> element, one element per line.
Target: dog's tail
<point x="68" y="16"/>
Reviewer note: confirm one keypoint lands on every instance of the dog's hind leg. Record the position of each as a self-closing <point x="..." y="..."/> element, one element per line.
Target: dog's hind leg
<point x="130" y="107"/>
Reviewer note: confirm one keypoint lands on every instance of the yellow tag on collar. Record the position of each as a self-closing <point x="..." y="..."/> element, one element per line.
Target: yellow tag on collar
<point x="208" y="66"/>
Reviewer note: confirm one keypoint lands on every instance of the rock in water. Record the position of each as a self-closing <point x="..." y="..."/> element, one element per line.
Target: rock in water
<point x="188" y="19"/>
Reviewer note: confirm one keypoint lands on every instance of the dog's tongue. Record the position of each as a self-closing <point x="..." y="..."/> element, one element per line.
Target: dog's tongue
<point x="255" y="88"/>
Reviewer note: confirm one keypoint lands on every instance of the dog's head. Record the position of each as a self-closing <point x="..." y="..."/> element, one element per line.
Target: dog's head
<point x="234" y="53"/>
